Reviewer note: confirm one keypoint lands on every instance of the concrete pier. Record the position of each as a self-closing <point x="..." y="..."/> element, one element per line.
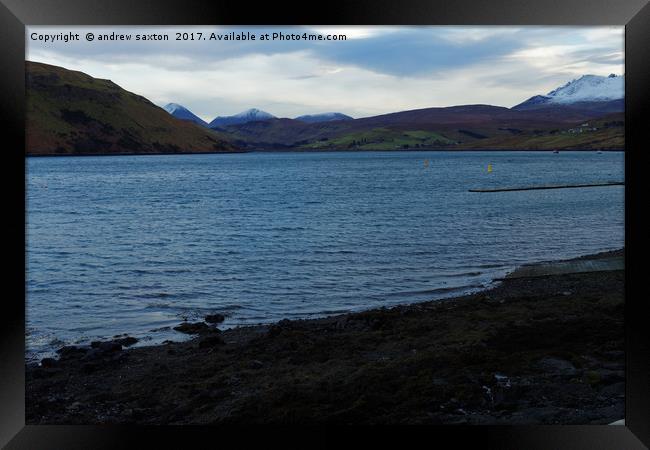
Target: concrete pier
<point x="564" y="267"/>
<point x="559" y="186"/>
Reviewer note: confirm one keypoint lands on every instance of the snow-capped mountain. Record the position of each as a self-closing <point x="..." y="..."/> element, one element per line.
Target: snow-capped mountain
<point x="250" y="115"/>
<point x="181" y="112"/>
<point x="588" y="88"/>
<point x="324" y="117"/>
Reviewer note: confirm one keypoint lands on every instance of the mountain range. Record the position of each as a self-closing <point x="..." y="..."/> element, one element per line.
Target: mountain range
<point x="72" y="113"/>
<point x="548" y="121"/>
<point x="250" y="115"/>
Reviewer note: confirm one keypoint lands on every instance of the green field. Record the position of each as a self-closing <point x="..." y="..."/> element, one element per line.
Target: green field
<point x="383" y="139"/>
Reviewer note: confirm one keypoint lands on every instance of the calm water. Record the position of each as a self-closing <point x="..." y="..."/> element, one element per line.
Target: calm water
<point x="135" y="244"/>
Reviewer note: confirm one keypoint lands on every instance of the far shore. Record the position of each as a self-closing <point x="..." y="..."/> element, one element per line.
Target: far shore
<point x="299" y="150"/>
<point x="542" y="349"/>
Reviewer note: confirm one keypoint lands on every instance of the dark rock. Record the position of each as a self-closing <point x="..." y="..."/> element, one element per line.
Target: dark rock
<point x="456" y="420"/>
<point x="611" y="376"/>
<point x="215" y="318"/>
<point x="256" y="364"/>
<point x="101" y="356"/>
<point x="218" y="394"/>
<point x="279" y="327"/>
<point x="117" y="357"/>
<point x="604" y="376"/>
<point x="614" y="366"/>
<point x="110" y="347"/>
<point x="192" y="328"/>
<point x="340" y="323"/>
<point x="49" y="362"/>
<point x="534" y="415"/>
<point x="613" y="390"/>
<point x="615" y="354"/>
<point x="90" y="367"/>
<point x="126" y="341"/>
<point x="102" y="351"/>
<point x="106" y="346"/>
<point x="74" y="406"/>
<point x="93" y="355"/>
<point x="439" y="382"/>
<point x="71" y="351"/>
<point x="607" y="414"/>
<point x="558" y="366"/>
<point x="211" y="342"/>
<point x="45" y="372"/>
<point x="211" y="329"/>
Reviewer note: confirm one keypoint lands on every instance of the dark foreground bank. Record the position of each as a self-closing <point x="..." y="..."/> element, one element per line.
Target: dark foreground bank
<point x="545" y="349"/>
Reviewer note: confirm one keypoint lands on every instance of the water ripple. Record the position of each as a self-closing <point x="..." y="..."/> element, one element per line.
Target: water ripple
<point x="132" y="244"/>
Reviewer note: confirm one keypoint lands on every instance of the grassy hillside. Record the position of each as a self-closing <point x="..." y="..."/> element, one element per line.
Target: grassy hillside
<point x="460" y="127"/>
<point x="606" y="133"/>
<point x="69" y="112"/>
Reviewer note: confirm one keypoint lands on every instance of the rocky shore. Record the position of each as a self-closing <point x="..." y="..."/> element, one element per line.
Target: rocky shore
<point x="532" y="350"/>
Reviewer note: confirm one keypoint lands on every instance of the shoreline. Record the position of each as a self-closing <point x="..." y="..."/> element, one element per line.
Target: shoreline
<point x="297" y="150"/>
<point x="442" y="361"/>
<point x="35" y="357"/>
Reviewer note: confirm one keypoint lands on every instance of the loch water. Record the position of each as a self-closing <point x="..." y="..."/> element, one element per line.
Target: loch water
<point x="136" y="244"/>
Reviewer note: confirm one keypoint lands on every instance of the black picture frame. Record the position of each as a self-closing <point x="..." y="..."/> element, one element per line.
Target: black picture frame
<point x="16" y="14"/>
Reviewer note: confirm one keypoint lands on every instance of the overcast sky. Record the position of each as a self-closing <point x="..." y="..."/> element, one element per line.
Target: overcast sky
<point x="376" y="70"/>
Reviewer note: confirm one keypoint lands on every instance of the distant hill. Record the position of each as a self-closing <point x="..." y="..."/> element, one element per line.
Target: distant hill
<point x="586" y="113"/>
<point x="250" y="115"/>
<point x="69" y="112"/>
<point x="457" y="127"/>
<point x="181" y="112"/>
<point x="324" y="117"/>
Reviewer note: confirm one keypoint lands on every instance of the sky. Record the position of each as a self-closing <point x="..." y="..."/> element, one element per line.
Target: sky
<point x="375" y="70"/>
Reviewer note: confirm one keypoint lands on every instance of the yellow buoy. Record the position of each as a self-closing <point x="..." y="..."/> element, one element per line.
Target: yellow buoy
<point x="489" y="168"/>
